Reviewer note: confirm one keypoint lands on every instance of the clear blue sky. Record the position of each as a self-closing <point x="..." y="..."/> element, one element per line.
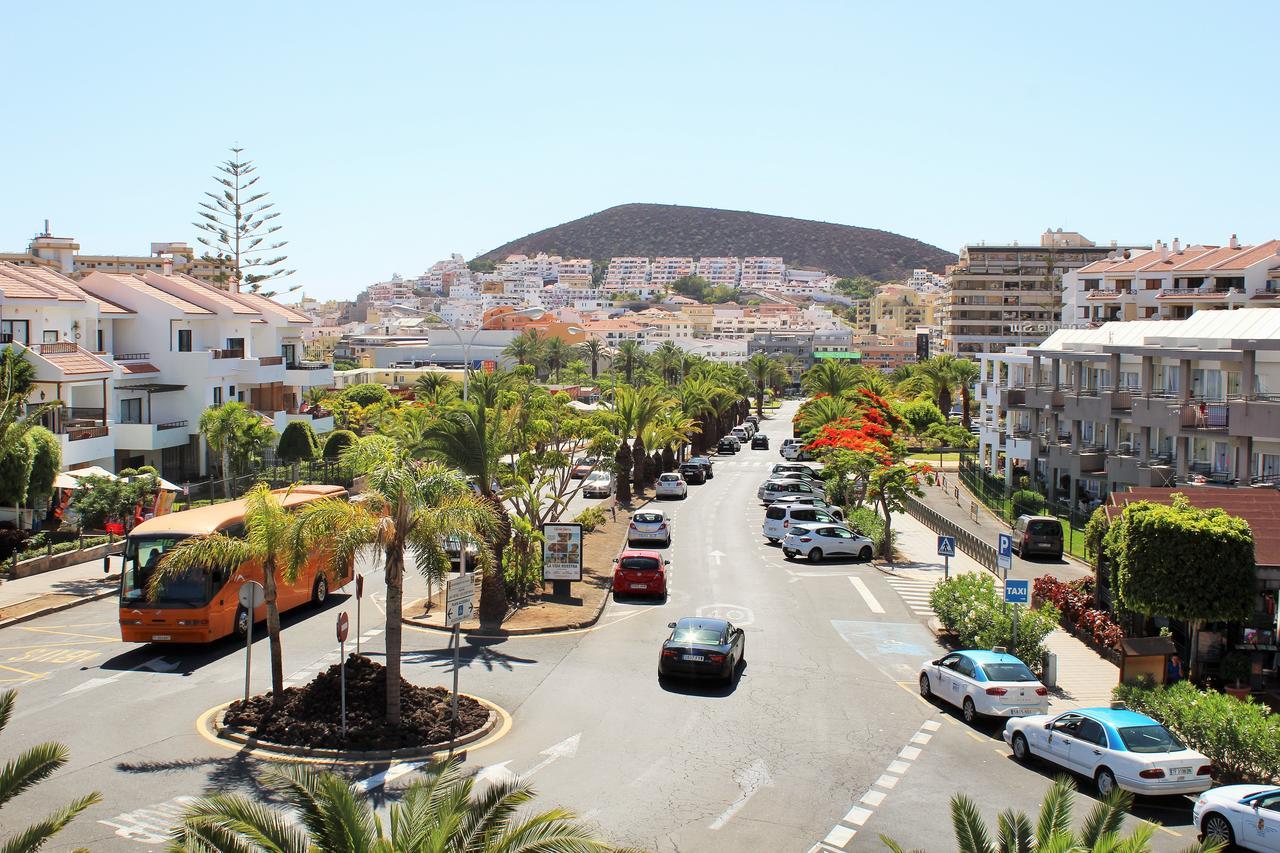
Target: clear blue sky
<point x="391" y="134"/>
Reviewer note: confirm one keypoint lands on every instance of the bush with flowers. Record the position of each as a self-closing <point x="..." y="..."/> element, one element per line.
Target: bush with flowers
<point x="969" y="607"/>
<point x="1075" y="600"/>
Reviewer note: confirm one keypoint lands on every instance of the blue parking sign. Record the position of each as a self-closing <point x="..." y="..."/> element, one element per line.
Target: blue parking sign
<point x="1005" y="545"/>
<point x="1017" y="592"/>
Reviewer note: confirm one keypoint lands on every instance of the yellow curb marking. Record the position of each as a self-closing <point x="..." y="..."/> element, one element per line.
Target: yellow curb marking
<point x="23" y="671"/>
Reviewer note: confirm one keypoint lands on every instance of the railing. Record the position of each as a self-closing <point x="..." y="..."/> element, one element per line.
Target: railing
<point x="133" y="356"/>
<point x="171" y="425"/>
<point x="77" y="433"/>
<point x="980" y="551"/>
<point x="227" y="353"/>
<point x="85" y="413"/>
<point x="308" y="365"/>
<point x="59" y="348"/>
<point x="1205" y="416"/>
<point x="271" y="360"/>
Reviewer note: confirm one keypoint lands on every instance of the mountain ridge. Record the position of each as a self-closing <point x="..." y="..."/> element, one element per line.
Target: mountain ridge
<point x="652" y="230"/>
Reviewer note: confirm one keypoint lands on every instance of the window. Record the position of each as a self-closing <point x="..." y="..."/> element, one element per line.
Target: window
<point x="17" y="331"/>
<point x="131" y="411"/>
<point x="101" y="348"/>
<point x="964" y="666"/>
<point x="235" y="344"/>
<point x="290" y="353"/>
<point x="184" y="340"/>
<point x="1007" y="672"/>
<point x="1147" y="739"/>
<point x="1092" y="732"/>
<point x="217" y="395"/>
<point x="49" y="336"/>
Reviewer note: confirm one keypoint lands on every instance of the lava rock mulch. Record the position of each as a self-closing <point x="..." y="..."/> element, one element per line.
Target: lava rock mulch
<point x="311" y="714"/>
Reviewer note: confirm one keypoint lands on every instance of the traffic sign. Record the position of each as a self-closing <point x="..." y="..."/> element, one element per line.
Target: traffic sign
<point x="1004" y="552"/>
<point x="343" y="627"/>
<point x="251" y="596"/>
<point x="946" y="546"/>
<point x="458" y="596"/>
<point x="1017" y="592"/>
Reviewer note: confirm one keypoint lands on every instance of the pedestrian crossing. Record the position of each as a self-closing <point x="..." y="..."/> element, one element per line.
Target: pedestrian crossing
<point x="914" y="593"/>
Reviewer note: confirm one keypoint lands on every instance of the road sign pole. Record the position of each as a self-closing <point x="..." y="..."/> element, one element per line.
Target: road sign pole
<point x="946" y="568"/>
<point x="1004" y="580"/>
<point x="342" y="686"/>
<point x="359" y="597"/>
<point x="1013" y="649"/>
<point x="248" y="657"/>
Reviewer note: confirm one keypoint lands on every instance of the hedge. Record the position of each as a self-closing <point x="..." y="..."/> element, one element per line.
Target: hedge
<point x="338" y="441"/>
<point x="591" y="518"/>
<point x="1027" y="502"/>
<point x="968" y="606"/>
<point x="1241" y="738"/>
<point x="41" y="549"/>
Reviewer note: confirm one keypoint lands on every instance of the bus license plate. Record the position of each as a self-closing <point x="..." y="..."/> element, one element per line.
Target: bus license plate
<point x="158" y="637"/>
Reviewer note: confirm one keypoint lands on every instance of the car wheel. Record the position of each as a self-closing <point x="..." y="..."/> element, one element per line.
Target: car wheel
<point x="1105" y="780"/>
<point x="815" y="555"/>
<point x="1218" y="828"/>
<point x="969" y="710"/>
<point x="320" y="592"/>
<point x="1021" y="750"/>
<point x="788" y="554"/>
<point x="772" y="541"/>
<point x="242" y="622"/>
<point x="926" y="689"/>
<point x="865" y="554"/>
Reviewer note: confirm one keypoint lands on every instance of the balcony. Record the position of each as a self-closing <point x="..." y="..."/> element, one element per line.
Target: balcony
<point x="227" y="353"/>
<point x="1121" y="401"/>
<point x="1204" y="416"/>
<point x="306" y="374"/>
<point x="1013" y="397"/>
<point x="271" y="360"/>
<point x="132" y="356"/>
<point x="1044" y="396"/>
<point x="151" y="436"/>
<point x="1257" y="416"/>
<point x="1158" y="410"/>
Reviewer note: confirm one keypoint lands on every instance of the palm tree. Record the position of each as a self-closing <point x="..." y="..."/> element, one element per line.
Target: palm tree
<point x="638" y="407"/>
<point x="592" y="350"/>
<point x="818" y="413"/>
<point x="964" y="373"/>
<point x="669" y="359"/>
<point x="556" y="354"/>
<point x="488" y="387"/>
<point x="434" y="387"/>
<point x="763" y="372"/>
<point x="1053" y="829"/>
<point x="877" y="383"/>
<point x="528" y="347"/>
<point x="933" y="378"/>
<point x="27" y="770"/>
<point x="441" y="812"/>
<point x="406" y="505"/>
<point x="225" y="428"/>
<point x="269" y="539"/>
<point x="829" y="377"/>
<point x="473" y="438"/>
<point x="631" y="357"/>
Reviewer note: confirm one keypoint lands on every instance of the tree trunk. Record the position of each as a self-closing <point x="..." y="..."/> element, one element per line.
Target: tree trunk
<point x="944" y="402"/>
<point x="638" y="469"/>
<point x="668" y="460"/>
<point x="394" y="629"/>
<point x="226" y="472"/>
<point x="622" y="461"/>
<point x="594" y="367"/>
<point x="760" y="400"/>
<point x="273" y="631"/>
<point x="887" y="548"/>
<point x="964" y="401"/>
<point x="493" y="588"/>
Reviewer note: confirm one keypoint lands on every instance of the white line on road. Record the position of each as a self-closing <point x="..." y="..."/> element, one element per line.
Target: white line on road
<point x="153" y="665"/>
<point x="499" y="772"/>
<point x="392" y="773"/>
<point x="860" y="585"/>
<point x="750" y="780"/>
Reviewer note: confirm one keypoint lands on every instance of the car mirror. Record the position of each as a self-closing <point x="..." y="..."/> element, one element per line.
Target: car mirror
<point x="671" y="624"/>
<point x="937" y="662"/>
<point x="666" y="562"/>
<point x="1048" y="726"/>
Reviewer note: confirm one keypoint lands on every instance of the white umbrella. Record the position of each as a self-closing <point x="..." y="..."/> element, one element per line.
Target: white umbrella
<point x="71" y="479"/>
<point x="165" y="485"/>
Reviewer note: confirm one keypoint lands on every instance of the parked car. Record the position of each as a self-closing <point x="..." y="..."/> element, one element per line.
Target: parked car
<point x="583" y="467"/>
<point x="741" y="433"/>
<point x="754" y="420"/>
<point x="1244" y="816"/>
<point x="784" y="469"/>
<point x="779" y="517"/>
<point x="693" y="473"/>
<point x="796" y="453"/>
<point x="986" y="684"/>
<point x="727" y="445"/>
<point x="702" y="648"/>
<point x="772" y="489"/>
<point x="760" y="441"/>
<point x="599" y="484"/>
<point x="1037" y="534"/>
<point x="649" y="525"/>
<point x="1114" y="747"/>
<point x="810" y="500"/>
<point x="707" y="463"/>
<point x="671" y="485"/>
<point x="453" y="550"/>
<point x="817" y="541"/>
<point x="638" y="572"/>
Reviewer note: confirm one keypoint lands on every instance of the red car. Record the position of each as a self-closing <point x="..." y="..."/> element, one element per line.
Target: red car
<point x="640" y="572"/>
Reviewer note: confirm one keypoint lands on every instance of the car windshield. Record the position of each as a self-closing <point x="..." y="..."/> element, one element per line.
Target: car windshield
<point x="706" y="636"/>
<point x="141" y="556"/>
<point x="643" y="564"/>
<point x="1152" y="738"/>
<point x="648" y="517"/>
<point x="1044" y="528"/>
<point x="597" y="476"/>
<point x="1013" y="671"/>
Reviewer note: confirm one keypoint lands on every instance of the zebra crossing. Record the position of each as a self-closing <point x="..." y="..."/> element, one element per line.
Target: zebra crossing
<point x="914" y="593"/>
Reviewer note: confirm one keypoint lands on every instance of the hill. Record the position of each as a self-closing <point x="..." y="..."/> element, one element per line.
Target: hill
<point x="652" y="230"/>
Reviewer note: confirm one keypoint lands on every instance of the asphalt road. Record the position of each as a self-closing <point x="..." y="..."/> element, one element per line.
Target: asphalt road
<point x="821" y="736"/>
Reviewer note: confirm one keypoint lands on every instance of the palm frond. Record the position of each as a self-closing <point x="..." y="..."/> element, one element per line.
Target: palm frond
<point x="1055" y="812"/>
<point x="236" y="823"/>
<point x="1014" y="831"/>
<point x="970" y="828"/>
<point x="34" y="837"/>
<point x="200" y="552"/>
<point x="1106" y="817"/>
<point x="30" y="768"/>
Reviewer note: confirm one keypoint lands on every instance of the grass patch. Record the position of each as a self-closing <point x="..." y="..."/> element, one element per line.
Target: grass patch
<point x="934" y="457"/>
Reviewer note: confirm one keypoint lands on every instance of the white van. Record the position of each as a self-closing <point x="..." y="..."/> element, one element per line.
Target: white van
<point x="779" y="518"/>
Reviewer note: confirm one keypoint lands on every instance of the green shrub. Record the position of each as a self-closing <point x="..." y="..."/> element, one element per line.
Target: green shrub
<point x="1242" y="739"/>
<point x="366" y="394"/>
<point x="37" y="546"/>
<point x="969" y="606"/>
<point x="869" y="523"/>
<point x="297" y="443"/>
<point x="591" y="518"/>
<point x="338" y="441"/>
<point x="1027" y="502"/>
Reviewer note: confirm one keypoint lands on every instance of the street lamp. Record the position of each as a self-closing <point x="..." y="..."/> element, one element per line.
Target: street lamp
<point x="532" y="313"/>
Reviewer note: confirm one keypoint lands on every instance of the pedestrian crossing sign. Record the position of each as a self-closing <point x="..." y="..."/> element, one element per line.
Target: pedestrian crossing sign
<point x="946" y="546"/>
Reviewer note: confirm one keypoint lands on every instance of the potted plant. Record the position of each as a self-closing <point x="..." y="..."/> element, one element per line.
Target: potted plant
<point x="1235" y="668"/>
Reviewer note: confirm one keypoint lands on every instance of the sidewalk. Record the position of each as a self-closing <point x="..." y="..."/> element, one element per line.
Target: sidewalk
<point x="26" y="598"/>
<point x="1084" y="678"/>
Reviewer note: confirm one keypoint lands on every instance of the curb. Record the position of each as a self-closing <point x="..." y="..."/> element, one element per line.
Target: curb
<point x="209" y="724"/>
<point x="57" y="608"/>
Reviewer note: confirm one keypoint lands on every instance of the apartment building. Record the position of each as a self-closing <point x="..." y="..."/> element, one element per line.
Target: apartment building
<point x="885" y="352"/>
<point x="1011" y="295"/>
<point x="615" y="330"/>
<point x="925" y="281"/>
<point x="627" y="273"/>
<point x="731" y="351"/>
<point x="723" y="272"/>
<point x="763" y="273"/>
<point x="440" y="277"/>
<point x="899" y="308"/>
<point x="63" y="255"/>
<point x="1139" y="403"/>
<point x="573" y="271"/>
<point x="1171" y="282"/>
<point x="859" y="313"/>
<point x="396" y="291"/>
<point x="135" y="359"/>
<point x="541" y="266"/>
<point x="665" y="271"/>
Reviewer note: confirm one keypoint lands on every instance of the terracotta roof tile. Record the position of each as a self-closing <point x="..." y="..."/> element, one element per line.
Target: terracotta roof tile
<point x="19" y="283"/>
<point x="208" y="291"/>
<point x="139" y="367"/>
<point x="76" y="363"/>
<point x="1206" y="260"/>
<point x="1250" y="256"/>
<point x="259" y="301"/>
<point x="1187" y="255"/>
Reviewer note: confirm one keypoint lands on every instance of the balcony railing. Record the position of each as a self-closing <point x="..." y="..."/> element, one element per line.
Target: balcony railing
<point x="133" y="356"/>
<point x="59" y="348"/>
<point x="308" y="365"/>
<point x="172" y="425"/>
<point x="227" y="353"/>
<point x="270" y="360"/>
<point x="1205" y="416"/>
<point x="76" y="433"/>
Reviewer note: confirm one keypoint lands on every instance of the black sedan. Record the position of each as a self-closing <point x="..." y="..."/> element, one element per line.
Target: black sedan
<point x="702" y="648"/>
<point x="693" y="473"/>
<point x="759" y="441"/>
<point x="727" y="445"/>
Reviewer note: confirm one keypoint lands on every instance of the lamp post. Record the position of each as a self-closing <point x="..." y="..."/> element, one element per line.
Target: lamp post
<point x="532" y="312"/>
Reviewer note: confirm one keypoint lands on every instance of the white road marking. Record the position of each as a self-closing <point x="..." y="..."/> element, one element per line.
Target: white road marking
<point x="921" y="738"/>
<point x="392" y="773"/>
<point x="493" y="773"/>
<point x="857" y="816"/>
<point x="154" y="665"/>
<point x="898" y="767"/>
<point x="860" y="585"/>
<point x="910" y="753"/>
<point x="931" y="725"/>
<point x="887" y="781"/>
<point x="750" y="780"/>
<point x="149" y="825"/>
<point x="566" y="748"/>
<point x="840" y="836"/>
<point x="873" y="798"/>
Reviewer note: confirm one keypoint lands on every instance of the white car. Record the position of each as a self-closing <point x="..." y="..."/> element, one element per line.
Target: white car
<point x="789" y="469"/>
<point x="1114" y="747"/>
<point x="779" y="518"/>
<point x="792" y="450"/>
<point x="741" y="433"/>
<point x="649" y="525"/>
<point x="1247" y="816"/>
<point x="771" y="490"/>
<point x="986" y="684"/>
<point x="810" y="500"/>
<point x="788" y="442"/>
<point x="671" y="486"/>
<point x="815" y="541"/>
<point x="599" y="484"/>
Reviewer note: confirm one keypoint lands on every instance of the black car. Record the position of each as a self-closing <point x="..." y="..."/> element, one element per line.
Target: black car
<point x="707" y="465"/>
<point x="727" y="445"/>
<point x="702" y="648"/>
<point x="693" y="473"/>
<point x="760" y="441"/>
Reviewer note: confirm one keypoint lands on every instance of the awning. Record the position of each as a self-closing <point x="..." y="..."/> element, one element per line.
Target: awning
<point x="71" y="479"/>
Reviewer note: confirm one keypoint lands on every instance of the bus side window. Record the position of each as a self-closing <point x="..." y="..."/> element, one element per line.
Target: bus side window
<point x="218" y="579"/>
<point x="235" y="531"/>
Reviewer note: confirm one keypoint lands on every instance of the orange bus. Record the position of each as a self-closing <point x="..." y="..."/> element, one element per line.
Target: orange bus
<point x="203" y="605"/>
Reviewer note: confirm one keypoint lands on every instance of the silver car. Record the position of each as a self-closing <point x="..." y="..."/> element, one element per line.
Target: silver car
<point x="649" y="525"/>
<point x="599" y="484"/>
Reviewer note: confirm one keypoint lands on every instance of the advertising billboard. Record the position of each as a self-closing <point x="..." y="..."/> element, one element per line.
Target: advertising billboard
<point x="562" y="552"/>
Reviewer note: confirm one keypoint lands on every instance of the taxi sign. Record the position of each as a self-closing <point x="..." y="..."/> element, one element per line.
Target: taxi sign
<point x="1017" y="592"/>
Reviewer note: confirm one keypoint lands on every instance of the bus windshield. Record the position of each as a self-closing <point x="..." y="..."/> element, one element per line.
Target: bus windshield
<point x="140" y="558"/>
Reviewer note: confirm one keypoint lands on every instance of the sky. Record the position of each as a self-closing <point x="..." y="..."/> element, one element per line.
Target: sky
<point x="392" y="134"/>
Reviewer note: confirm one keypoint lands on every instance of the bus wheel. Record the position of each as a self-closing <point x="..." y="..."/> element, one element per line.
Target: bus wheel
<point x="321" y="591"/>
<point x="242" y="622"/>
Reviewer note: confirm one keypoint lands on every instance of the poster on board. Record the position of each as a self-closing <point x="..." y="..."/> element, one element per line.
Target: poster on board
<point x="562" y="552"/>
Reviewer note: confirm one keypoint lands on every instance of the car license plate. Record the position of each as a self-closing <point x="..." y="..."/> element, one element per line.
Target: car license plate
<point x="157" y="637"/>
<point x="1179" y="771"/>
<point x="694" y="657"/>
<point x="1021" y="712"/>
<point x="639" y="586"/>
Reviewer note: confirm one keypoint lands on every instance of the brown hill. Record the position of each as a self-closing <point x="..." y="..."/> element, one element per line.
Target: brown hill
<point x="652" y="230"/>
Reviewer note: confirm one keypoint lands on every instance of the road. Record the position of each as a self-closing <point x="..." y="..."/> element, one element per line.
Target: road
<point x="821" y="742"/>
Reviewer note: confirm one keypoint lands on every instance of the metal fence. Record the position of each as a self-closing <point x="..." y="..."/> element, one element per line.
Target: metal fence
<point x="982" y="552"/>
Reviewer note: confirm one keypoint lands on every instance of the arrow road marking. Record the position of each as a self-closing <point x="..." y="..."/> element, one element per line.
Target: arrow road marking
<point x="716" y="555"/>
<point x="496" y="773"/>
<point x="750" y="779"/>
<point x="154" y="665"/>
<point x="392" y="773"/>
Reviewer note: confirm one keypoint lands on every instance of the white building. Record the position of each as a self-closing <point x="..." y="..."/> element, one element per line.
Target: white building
<point x="763" y="273"/>
<point x="720" y="271"/>
<point x="627" y="273"/>
<point x="665" y="271"/>
<point x="397" y="291"/>
<point x="574" y="271"/>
